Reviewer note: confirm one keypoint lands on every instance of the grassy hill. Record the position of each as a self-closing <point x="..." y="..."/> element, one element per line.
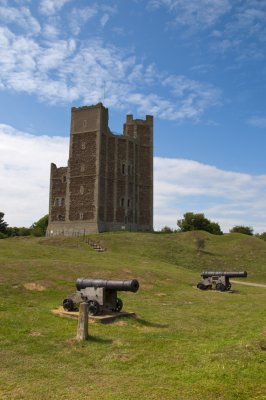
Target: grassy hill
<point x="185" y="343"/>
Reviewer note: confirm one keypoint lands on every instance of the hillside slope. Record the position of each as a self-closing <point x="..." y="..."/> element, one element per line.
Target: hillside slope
<point x="185" y="343"/>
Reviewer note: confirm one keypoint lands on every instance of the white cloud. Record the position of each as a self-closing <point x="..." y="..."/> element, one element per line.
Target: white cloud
<point x="60" y="71"/>
<point x="80" y="16"/>
<point x="227" y="197"/>
<point x="50" y="7"/>
<point x="24" y="173"/>
<point x="20" y="16"/>
<point x="194" y="13"/>
<point x="104" y="19"/>
<point x="259" y="122"/>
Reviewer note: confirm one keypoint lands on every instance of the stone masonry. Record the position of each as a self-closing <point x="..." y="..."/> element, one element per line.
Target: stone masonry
<point x="108" y="183"/>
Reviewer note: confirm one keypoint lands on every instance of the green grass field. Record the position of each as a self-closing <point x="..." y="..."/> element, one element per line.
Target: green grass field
<point x="185" y="344"/>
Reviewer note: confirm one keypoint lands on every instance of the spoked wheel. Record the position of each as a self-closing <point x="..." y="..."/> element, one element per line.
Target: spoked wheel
<point x="228" y="287"/>
<point x="93" y="308"/>
<point x="68" y="305"/>
<point x="221" y="287"/>
<point x="119" y="305"/>
<point x="201" y="286"/>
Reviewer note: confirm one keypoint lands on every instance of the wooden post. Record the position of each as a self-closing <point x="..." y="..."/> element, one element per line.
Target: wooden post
<point x="82" y="331"/>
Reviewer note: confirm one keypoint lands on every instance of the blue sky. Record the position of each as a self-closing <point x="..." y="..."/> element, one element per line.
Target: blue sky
<point x="198" y="67"/>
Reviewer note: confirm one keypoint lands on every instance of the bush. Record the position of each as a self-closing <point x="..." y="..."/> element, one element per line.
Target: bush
<point x="39" y="227"/>
<point x="261" y="235"/>
<point x="198" y="222"/>
<point x="2" y="235"/>
<point x="166" y="229"/>
<point x="246" y="230"/>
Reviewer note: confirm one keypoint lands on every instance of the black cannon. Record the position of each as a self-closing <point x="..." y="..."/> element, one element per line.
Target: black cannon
<point x="218" y="280"/>
<point x="100" y="294"/>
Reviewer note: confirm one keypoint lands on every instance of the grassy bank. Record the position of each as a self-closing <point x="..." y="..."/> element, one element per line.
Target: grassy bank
<point x="185" y="343"/>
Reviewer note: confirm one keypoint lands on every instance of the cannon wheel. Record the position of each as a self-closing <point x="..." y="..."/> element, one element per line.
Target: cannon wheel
<point x="93" y="308"/>
<point x="201" y="286"/>
<point x="228" y="287"/>
<point x="221" y="287"/>
<point x="119" y="305"/>
<point x="68" y="305"/>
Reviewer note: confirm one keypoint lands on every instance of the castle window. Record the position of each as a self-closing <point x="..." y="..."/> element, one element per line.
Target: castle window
<point x="62" y="201"/>
<point x="129" y="203"/>
<point x="64" y="178"/>
<point x="84" y="123"/>
<point x="82" y="167"/>
<point x="123" y="168"/>
<point x="81" y="189"/>
<point x="122" y="202"/>
<point x="61" y="217"/>
<point x="83" y="145"/>
<point x="81" y="215"/>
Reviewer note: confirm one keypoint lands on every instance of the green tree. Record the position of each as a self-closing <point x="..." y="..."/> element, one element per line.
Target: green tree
<point x="246" y="230"/>
<point x="198" y="222"/>
<point x="261" y="235"/>
<point x="18" y="231"/>
<point x="166" y="229"/>
<point x="3" y="224"/>
<point x="39" y="227"/>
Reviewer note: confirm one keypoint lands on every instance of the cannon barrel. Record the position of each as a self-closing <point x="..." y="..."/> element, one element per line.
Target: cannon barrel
<point x="124" y="286"/>
<point x="234" y="274"/>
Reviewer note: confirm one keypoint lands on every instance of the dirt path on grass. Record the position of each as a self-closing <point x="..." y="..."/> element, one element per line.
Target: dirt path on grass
<point x="249" y="284"/>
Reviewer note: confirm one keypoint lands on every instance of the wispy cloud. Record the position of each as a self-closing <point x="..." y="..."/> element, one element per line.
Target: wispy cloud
<point x="20" y="16"/>
<point x="61" y="71"/>
<point x="199" y="14"/>
<point x="50" y="7"/>
<point x="234" y="27"/>
<point x="80" y="16"/>
<point x="259" y="122"/>
<point x="227" y="197"/>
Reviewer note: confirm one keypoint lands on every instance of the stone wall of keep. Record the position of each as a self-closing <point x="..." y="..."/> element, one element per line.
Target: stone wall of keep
<point x="111" y="175"/>
<point x="82" y="202"/>
<point x="82" y="173"/>
<point x="58" y="191"/>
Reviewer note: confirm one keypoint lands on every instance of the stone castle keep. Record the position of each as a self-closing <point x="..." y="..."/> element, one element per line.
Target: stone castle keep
<point x="108" y="183"/>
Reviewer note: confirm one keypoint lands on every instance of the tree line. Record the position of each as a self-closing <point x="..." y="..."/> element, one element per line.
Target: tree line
<point x="190" y="222"/>
<point x="198" y="222"/>
<point x="38" y="228"/>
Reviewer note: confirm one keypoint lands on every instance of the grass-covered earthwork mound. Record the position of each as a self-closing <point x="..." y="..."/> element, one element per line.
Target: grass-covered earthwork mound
<point x="185" y="344"/>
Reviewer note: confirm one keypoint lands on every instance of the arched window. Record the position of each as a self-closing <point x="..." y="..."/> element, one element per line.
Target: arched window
<point x="122" y="202"/>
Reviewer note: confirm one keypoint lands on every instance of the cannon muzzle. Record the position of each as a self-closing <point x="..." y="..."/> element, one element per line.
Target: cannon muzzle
<point x="124" y="286"/>
<point x="234" y="274"/>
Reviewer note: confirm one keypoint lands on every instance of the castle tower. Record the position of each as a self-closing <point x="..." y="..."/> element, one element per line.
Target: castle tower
<point x="108" y="184"/>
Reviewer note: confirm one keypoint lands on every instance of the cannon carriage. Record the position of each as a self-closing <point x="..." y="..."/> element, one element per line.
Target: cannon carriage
<point x="100" y="294"/>
<point x="218" y="280"/>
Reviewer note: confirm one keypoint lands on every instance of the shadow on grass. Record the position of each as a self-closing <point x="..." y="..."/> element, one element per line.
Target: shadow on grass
<point x="143" y="322"/>
<point x="99" y="340"/>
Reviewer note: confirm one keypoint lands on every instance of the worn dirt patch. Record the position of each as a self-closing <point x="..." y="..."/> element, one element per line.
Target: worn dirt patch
<point x="34" y="286"/>
<point x="34" y="333"/>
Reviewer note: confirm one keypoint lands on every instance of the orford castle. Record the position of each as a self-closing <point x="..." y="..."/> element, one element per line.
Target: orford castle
<point x="108" y="183"/>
